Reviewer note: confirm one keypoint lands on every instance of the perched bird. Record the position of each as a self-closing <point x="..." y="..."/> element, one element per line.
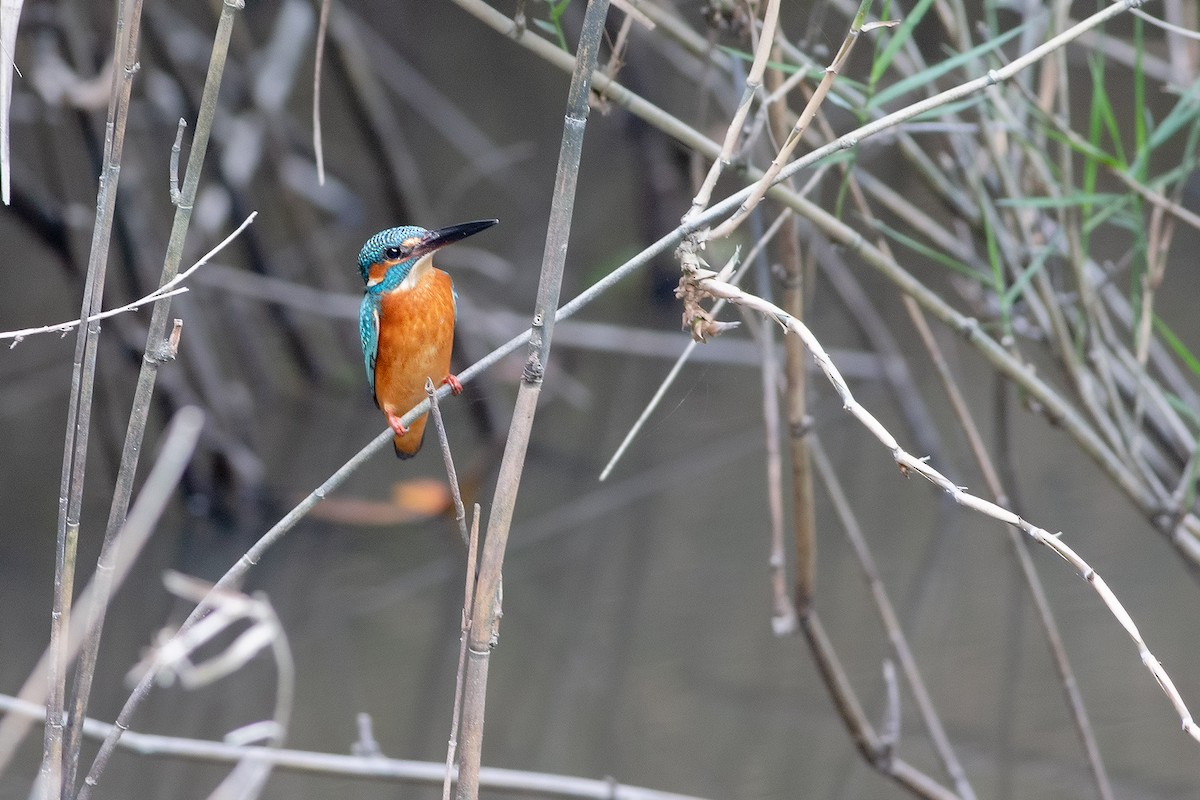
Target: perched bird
<point x="406" y="321"/>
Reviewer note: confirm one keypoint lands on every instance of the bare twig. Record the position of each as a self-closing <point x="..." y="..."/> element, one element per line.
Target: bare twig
<point x="909" y="464"/>
<point x="804" y="533"/>
<point x="176" y="150"/>
<point x="849" y="708"/>
<point x="169" y="289"/>
<point x="460" y="514"/>
<point x="783" y="618"/>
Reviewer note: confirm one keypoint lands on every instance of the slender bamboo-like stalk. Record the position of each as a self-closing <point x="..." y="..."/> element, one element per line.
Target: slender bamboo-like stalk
<point x="79" y="413"/>
<point x="484" y="616"/>
<point x="460" y="675"/>
<point x="804" y="533"/>
<point x="318" y="59"/>
<point x="783" y="618"/>
<point x="157" y="352"/>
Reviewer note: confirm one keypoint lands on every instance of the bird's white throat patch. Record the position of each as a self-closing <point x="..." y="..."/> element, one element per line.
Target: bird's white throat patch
<point x="417" y="272"/>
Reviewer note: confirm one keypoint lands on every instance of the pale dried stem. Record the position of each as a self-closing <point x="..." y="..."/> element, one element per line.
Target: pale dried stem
<point x="435" y="411"/>
<point x="734" y="133"/>
<point x="873" y="750"/>
<point x="769" y="178"/>
<point x="371" y="766"/>
<point x="318" y="60"/>
<point x="683" y="357"/>
<point x="909" y="464"/>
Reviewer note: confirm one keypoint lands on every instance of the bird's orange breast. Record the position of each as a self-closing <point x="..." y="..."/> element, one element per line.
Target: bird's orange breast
<point x="416" y="334"/>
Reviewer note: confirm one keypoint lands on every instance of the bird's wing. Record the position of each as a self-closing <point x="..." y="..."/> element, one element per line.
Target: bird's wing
<point x="368" y="331"/>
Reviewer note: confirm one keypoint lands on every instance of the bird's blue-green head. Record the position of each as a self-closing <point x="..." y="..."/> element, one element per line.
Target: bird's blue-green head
<point x="390" y="256"/>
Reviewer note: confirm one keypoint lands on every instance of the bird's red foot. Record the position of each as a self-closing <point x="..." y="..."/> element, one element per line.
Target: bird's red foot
<point x="396" y="424"/>
<point x="453" y="383"/>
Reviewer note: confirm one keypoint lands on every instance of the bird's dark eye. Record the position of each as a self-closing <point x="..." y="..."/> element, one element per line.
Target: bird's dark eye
<point x="392" y="252"/>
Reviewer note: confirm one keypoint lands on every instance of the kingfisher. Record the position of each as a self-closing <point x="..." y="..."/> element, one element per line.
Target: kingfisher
<point x="406" y="321"/>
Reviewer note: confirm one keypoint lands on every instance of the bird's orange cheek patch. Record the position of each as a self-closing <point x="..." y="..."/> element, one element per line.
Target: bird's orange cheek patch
<point x="378" y="271"/>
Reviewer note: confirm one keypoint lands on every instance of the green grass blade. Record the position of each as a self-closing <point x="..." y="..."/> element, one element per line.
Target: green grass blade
<point x="1177" y="347"/>
<point x="935" y="71"/>
<point x="900" y="35"/>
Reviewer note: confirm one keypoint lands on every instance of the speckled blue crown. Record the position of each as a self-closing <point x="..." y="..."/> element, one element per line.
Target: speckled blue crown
<point x="372" y="251"/>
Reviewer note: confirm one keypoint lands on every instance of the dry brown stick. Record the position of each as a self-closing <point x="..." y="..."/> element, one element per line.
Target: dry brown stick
<point x="889" y="619"/>
<point x="855" y="719"/>
<point x="929" y="715"/>
<point x="796" y="397"/>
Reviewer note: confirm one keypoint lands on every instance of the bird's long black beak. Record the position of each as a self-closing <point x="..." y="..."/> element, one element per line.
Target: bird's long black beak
<point x="435" y="240"/>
